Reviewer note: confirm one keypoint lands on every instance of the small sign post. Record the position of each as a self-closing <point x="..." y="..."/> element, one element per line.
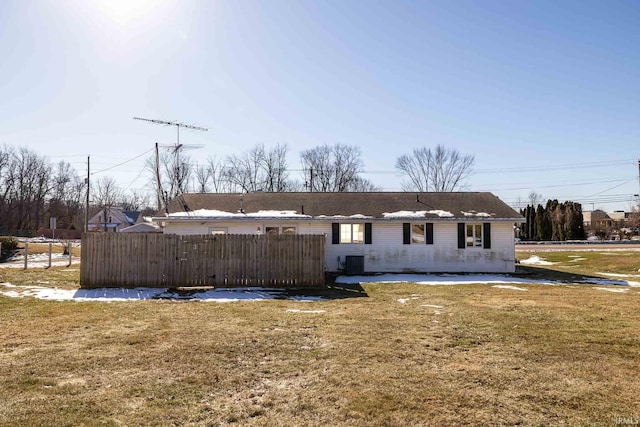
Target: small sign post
<point x="52" y="226"/>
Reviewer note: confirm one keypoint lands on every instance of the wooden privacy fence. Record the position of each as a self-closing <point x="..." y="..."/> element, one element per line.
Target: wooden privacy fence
<point x="168" y="260"/>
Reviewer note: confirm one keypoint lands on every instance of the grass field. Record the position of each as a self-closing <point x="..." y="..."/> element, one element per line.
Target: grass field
<point x="442" y="355"/>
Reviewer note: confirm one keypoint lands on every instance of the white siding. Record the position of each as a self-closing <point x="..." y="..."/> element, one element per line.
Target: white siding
<point x="387" y="253"/>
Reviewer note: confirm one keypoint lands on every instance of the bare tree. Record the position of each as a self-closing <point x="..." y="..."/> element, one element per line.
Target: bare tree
<point x="134" y="201"/>
<point x="67" y="193"/>
<point x="438" y="170"/>
<point x="27" y="185"/>
<point x="274" y="165"/>
<point x="259" y="169"/>
<point x="176" y="171"/>
<point x="334" y="169"/>
<point x="218" y="175"/>
<point x="202" y="177"/>
<point x="106" y="194"/>
<point x="535" y="199"/>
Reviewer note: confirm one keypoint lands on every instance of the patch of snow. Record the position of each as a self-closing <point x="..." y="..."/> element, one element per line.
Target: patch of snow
<point x="431" y="306"/>
<point x="618" y="275"/>
<point x="612" y="282"/>
<point x="618" y="290"/>
<point x="477" y="214"/>
<point x="37" y="264"/>
<point x="137" y="294"/>
<point x="440" y="213"/>
<point x="404" y="214"/>
<point x="212" y="213"/>
<point x="354" y="216"/>
<point x="416" y="214"/>
<point x="515" y="288"/>
<point x="440" y="279"/>
<point x="295" y="310"/>
<point x="577" y="259"/>
<point x="535" y="260"/>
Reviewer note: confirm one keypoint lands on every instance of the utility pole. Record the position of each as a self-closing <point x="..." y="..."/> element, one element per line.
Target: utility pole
<point x="86" y="208"/>
<point x="158" y="183"/>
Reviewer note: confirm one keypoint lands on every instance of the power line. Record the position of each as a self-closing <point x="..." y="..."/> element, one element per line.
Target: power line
<point x="120" y="164"/>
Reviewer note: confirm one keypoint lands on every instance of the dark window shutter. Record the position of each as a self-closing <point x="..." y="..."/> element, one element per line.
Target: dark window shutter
<point x="367" y="233"/>
<point x="461" y="236"/>
<point x="428" y="231"/>
<point x="486" y="235"/>
<point x="335" y="233"/>
<point x="406" y="233"/>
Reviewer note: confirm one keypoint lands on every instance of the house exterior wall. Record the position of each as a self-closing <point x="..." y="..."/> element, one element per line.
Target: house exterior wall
<point x="387" y="253"/>
<point x="118" y="220"/>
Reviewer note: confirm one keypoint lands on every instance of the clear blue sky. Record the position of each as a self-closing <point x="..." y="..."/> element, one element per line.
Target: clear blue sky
<point x="525" y="86"/>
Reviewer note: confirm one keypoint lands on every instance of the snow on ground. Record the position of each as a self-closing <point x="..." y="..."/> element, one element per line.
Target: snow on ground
<point x="295" y="310"/>
<point x="619" y="290"/>
<point x="596" y="281"/>
<point x="535" y="260"/>
<point x="441" y="279"/>
<point x="431" y="306"/>
<point x="39" y="263"/>
<point x="468" y="279"/>
<point x="137" y="294"/>
<point x="515" y="288"/>
<point x="618" y="275"/>
<point x="500" y="281"/>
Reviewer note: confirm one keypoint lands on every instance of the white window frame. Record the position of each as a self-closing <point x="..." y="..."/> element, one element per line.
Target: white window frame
<point x="474" y="235"/>
<point x="218" y="230"/>
<point x="352" y="233"/>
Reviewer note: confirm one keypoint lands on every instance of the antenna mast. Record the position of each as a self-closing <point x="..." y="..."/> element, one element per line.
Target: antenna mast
<point x="176" y="151"/>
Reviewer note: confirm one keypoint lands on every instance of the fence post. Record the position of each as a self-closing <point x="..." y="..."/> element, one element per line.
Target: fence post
<point x="49" y="255"/>
<point x="26" y="253"/>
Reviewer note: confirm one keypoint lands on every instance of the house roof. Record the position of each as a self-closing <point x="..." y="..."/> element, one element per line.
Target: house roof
<point x="142" y="227"/>
<point x="131" y="216"/>
<point x="381" y="205"/>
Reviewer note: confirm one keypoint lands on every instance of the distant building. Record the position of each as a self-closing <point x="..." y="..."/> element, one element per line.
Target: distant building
<point x="115" y="220"/>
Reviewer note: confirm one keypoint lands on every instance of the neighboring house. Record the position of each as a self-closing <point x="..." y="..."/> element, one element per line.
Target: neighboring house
<point x="387" y="232"/>
<point x="142" y="227"/>
<point x="115" y="220"/>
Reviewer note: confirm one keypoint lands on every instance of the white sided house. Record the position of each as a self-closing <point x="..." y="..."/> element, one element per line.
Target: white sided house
<point x="370" y="232"/>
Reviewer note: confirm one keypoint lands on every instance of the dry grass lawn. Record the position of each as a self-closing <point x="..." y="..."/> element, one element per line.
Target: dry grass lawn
<point x="551" y="355"/>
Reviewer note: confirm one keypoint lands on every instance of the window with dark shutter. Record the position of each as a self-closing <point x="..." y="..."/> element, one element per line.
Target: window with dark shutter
<point x="406" y="233"/>
<point x="335" y="233"/>
<point x="367" y="233"/>
<point x="461" y="235"/>
<point x="428" y="231"/>
<point x="487" y="235"/>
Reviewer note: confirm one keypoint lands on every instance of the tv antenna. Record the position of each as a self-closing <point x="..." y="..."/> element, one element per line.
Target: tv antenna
<point x="176" y="150"/>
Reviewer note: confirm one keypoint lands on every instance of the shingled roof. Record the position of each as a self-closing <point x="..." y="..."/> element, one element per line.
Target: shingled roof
<point x="458" y="205"/>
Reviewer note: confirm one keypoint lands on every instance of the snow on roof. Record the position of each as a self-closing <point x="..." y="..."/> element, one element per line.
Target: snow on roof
<point x="404" y="214"/>
<point x="441" y="213"/>
<point x="354" y="216"/>
<point x="478" y="214"/>
<point x="212" y="213"/>
<point x="417" y="214"/>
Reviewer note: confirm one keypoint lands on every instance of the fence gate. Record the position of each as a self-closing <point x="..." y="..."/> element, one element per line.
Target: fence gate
<point x="169" y="260"/>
